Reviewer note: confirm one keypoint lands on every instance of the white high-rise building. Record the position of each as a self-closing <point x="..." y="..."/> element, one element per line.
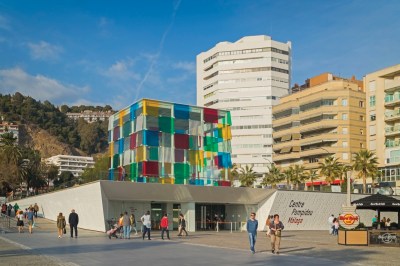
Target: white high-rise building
<point x="69" y="163"/>
<point x="246" y="77"/>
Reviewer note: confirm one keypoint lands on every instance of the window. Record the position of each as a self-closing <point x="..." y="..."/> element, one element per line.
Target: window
<point x="361" y="118"/>
<point x="345" y="156"/>
<point x="344" y="102"/>
<point x="361" y="145"/>
<point x="372" y="101"/>
<point x="361" y="131"/>
<point x="372" y="116"/>
<point x="371" y="85"/>
<point x="344" y="116"/>
<point x="372" y="145"/>
<point x="345" y="131"/>
<point x="372" y="130"/>
<point x="344" y="144"/>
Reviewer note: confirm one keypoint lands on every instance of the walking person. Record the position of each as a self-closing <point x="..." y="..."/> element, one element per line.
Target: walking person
<point x="16" y="208"/>
<point x="4" y="208"/>
<point x="146" y="221"/>
<point x="9" y="209"/>
<point x="120" y="226"/>
<point x="268" y="222"/>
<point x="133" y="222"/>
<point x="276" y="234"/>
<point x="330" y="223"/>
<point x="126" y="223"/>
<point x="30" y="216"/>
<point x="35" y="209"/>
<point x="252" y="226"/>
<point x="182" y="225"/>
<point x="20" y="221"/>
<point x="335" y="226"/>
<point x="61" y="224"/>
<point x="73" y="221"/>
<point x="164" y="226"/>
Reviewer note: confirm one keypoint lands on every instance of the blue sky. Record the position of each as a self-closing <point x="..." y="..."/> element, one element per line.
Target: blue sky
<point x="114" y="52"/>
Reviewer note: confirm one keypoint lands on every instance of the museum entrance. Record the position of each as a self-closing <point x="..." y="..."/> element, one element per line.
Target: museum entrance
<point x="207" y="216"/>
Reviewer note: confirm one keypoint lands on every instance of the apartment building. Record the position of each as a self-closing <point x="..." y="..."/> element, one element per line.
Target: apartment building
<point x="247" y="78"/>
<point x="383" y="120"/>
<point x="90" y="116"/>
<point x="69" y="163"/>
<point x="6" y="127"/>
<point x="326" y="117"/>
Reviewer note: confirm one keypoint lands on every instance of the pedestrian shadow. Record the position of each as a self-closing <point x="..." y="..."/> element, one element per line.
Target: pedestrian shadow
<point x="290" y="250"/>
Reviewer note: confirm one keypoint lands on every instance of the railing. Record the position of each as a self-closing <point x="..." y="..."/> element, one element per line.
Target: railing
<point x="394" y="129"/>
<point x="8" y="223"/>
<point x="232" y="225"/>
<point x="394" y="113"/>
<point x="392" y="98"/>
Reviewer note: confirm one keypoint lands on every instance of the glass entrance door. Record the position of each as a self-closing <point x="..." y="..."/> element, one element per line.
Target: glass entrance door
<point x="157" y="211"/>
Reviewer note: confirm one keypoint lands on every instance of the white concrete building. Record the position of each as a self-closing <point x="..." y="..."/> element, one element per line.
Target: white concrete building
<point x="246" y="77"/>
<point x="90" y="116"/>
<point x="99" y="201"/>
<point x="74" y="164"/>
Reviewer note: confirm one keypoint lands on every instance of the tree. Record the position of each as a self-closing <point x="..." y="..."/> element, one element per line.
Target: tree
<point x="247" y="176"/>
<point x="288" y="176"/>
<point x="330" y="168"/>
<point x="366" y="163"/>
<point x="298" y="175"/>
<point x="66" y="179"/>
<point x="273" y="176"/>
<point x="50" y="172"/>
<point x="312" y="175"/>
<point x="98" y="172"/>
<point x="342" y="171"/>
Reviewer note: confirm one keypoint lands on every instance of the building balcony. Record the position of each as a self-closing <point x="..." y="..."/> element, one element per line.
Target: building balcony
<point x="392" y="144"/>
<point x="393" y="160"/>
<point x="392" y="131"/>
<point x="318" y="152"/>
<point x="321" y="125"/>
<point x="392" y="100"/>
<point x="279" y="157"/>
<point x="393" y="115"/>
<point x="392" y="85"/>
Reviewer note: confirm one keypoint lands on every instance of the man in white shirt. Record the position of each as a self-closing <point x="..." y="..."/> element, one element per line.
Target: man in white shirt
<point x="146" y="224"/>
<point x="330" y="222"/>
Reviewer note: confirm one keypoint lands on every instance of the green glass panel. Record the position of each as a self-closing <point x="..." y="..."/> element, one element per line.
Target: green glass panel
<point x="115" y="161"/>
<point x="153" y="153"/>
<point x="181" y="170"/>
<point x="179" y="181"/>
<point x="229" y="118"/>
<point x="133" y="173"/>
<point x="126" y="130"/>
<point x="166" y="124"/>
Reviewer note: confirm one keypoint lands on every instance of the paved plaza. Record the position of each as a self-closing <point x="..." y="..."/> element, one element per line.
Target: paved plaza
<point x="200" y="248"/>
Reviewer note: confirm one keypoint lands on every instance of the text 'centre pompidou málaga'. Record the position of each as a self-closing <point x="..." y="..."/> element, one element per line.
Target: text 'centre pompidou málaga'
<point x="160" y="142"/>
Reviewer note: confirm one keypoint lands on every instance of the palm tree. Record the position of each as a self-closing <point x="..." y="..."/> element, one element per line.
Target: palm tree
<point x="366" y="163"/>
<point x="9" y="149"/>
<point x="342" y="170"/>
<point x="330" y="168"/>
<point x="288" y="175"/>
<point x="298" y="175"/>
<point x="273" y="176"/>
<point x="247" y="176"/>
<point x="312" y="175"/>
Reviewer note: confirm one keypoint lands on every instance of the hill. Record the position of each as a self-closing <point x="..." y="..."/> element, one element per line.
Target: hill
<point x="48" y="129"/>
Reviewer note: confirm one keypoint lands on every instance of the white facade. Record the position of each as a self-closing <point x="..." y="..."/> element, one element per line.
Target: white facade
<point x="90" y="116"/>
<point x="68" y="163"/>
<point x="246" y="77"/>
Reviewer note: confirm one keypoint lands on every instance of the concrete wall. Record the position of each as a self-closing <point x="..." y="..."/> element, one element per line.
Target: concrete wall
<point x="85" y="199"/>
<point x="310" y="210"/>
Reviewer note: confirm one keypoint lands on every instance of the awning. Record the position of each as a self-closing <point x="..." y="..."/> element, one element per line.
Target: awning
<point x="286" y="137"/>
<point x="285" y="150"/>
<point x="296" y="148"/>
<point x="318" y="142"/>
<point x="296" y="136"/>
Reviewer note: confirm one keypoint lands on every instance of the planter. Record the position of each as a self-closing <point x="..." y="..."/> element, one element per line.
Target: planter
<point x="353" y="237"/>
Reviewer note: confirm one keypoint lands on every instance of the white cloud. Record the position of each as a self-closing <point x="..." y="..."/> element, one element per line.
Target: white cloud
<point x="187" y="66"/>
<point x="122" y="70"/>
<point x="4" y="23"/>
<point x="44" y="50"/>
<point x="39" y="87"/>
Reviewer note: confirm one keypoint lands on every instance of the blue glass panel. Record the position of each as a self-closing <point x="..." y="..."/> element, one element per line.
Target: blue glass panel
<point x="150" y="138"/>
<point x="181" y="111"/>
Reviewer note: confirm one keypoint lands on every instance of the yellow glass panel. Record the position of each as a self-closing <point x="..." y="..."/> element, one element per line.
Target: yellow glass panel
<point x="111" y="149"/>
<point x="121" y="117"/>
<point x="141" y="154"/>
